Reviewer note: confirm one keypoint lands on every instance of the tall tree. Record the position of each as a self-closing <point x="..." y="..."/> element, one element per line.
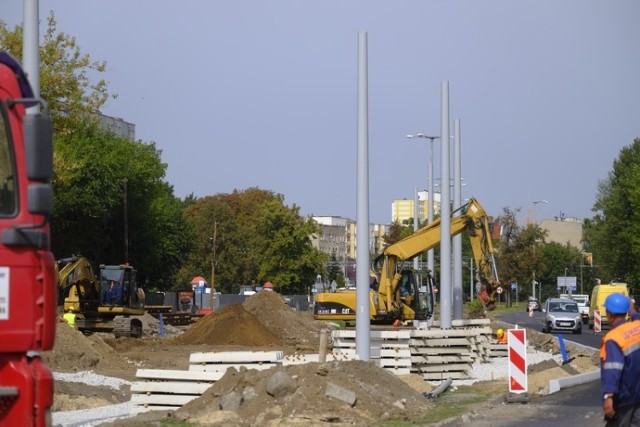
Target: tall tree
<point x="65" y="75"/>
<point x="614" y="232"/>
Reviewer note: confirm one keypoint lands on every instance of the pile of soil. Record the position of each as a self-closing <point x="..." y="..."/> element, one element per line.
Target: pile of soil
<point x="232" y="325"/>
<point x="244" y="398"/>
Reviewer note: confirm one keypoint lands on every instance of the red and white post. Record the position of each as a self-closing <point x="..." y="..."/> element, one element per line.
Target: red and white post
<point x="597" y="321"/>
<point x="517" y="346"/>
<point x="531" y="310"/>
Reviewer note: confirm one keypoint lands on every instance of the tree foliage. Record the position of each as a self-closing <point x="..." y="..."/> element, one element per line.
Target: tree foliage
<point x="65" y="75"/>
<point x="613" y="235"/>
<point x="112" y="204"/>
<point x="258" y="239"/>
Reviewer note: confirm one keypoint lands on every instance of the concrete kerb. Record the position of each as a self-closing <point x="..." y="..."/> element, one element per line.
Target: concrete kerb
<point x="560" y="383"/>
<point x="555" y="385"/>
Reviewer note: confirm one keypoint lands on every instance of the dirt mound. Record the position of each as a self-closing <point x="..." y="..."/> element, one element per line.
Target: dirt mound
<point x="232" y="325"/>
<point x="295" y="329"/>
<point x="74" y="351"/>
<point x="379" y="395"/>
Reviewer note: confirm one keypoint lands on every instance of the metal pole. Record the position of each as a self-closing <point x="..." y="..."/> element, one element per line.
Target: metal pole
<point x="471" y="279"/>
<point x="431" y="201"/>
<point x="30" y="48"/>
<point x="415" y="224"/>
<point x="457" y="240"/>
<point x="363" y="320"/>
<point x="445" y="213"/>
<point x="213" y="264"/>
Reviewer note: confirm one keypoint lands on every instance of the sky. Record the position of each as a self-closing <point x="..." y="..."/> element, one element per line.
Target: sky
<point x="248" y="93"/>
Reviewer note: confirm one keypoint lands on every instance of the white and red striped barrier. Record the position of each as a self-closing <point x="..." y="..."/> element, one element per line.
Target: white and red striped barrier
<point x="597" y="321"/>
<point x="531" y="311"/>
<point x="517" y="345"/>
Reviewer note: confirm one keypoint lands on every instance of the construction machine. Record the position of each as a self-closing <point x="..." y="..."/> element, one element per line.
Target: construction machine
<point x="396" y="293"/>
<point x="111" y="302"/>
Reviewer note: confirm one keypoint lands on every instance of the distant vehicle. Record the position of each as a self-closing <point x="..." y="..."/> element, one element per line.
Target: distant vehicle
<point x="562" y="314"/>
<point x="599" y="294"/>
<point x="534" y="304"/>
<point x="583" y="304"/>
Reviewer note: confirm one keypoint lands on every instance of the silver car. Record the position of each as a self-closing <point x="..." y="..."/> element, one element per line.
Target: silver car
<point x="562" y="314"/>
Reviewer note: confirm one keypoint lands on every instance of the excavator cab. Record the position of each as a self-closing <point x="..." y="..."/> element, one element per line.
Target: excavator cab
<point x="417" y="298"/>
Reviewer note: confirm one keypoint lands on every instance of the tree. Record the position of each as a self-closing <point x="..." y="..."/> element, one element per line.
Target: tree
<point x="65" y="73"/>
<point x="105" y="184"/>
<point x="614" y="232"/>
<point x="259" y="239"/>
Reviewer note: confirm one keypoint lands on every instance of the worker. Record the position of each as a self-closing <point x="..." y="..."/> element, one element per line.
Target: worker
<point x="113" y="294"/>
<point x="620" y="363"/>
<point x="70" y="318"/>
<point x="502" y="337"/>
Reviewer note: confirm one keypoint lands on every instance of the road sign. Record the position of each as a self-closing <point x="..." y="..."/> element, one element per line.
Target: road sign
<point x="499" y="291"/>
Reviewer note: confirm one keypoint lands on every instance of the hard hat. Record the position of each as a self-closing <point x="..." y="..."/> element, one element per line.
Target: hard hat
<point x="499" y="332"/>
<point x="617" y="304"/>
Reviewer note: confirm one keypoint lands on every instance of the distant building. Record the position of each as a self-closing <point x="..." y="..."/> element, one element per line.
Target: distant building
<point x="563" y="230"/>
<point x="118" y="126"/>
<point x="403" y="209"/>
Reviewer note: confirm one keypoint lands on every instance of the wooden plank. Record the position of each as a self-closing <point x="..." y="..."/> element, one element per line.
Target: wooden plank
<point x="236" y="356"/>
<point x="444" y="375"/>
<point x="175" y="387"/>
<point x="164" y="374"/>
<point x="377" y="334"/>
<point x="140" y="409"/>
<point x="462" y="367"/>
<point x="394" y="363"/>
<point x="222" y="367"/>
<point x="161" y="399"/>
<point x="418" y="360"/>
<point x="445" y="333"/>
<point x="441" y="350"/>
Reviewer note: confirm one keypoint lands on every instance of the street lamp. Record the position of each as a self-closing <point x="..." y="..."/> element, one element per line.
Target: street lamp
<point x="534" y="208"/>
<point x="431" y="198"/>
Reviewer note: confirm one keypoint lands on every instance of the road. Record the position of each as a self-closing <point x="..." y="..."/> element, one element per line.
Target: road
<point x="575" y="406"/>
<point x="587" y="338"/>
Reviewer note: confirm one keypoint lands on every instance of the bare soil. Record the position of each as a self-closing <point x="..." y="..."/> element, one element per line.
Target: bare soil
<point x="263" y="322"/>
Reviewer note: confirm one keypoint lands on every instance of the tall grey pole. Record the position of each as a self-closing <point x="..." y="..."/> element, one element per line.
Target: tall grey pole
<point x="445" y="212"/>
<point x="457" y="240"/>
<point x="431" y="201"/>
<point x="30" y="48"/>
<point x="363" y="348"/>
<point x="416" y="260"/>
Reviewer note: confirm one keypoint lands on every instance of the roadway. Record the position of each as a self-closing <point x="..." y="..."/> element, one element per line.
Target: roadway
<point x="580" y="405"/>
<point x="587" y="338"/>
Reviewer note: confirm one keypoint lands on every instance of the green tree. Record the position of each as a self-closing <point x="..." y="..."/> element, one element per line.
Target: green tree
<point x="105" y="185"/>
<point x="258" y="239"/>
<point x="65" y="75"/>
<point x="614" y="232"/>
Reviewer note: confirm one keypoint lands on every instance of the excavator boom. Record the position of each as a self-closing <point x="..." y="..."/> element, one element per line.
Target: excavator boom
<point x="397" y="295"/>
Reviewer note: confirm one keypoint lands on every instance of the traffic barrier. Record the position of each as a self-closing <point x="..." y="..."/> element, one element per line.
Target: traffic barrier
<point x="597" y="321"/>
<point x="517" y="343"/>
<point x="531" y="311"/>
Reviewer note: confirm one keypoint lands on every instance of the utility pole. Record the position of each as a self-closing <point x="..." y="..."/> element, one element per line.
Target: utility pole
<point x="213" y="264"/>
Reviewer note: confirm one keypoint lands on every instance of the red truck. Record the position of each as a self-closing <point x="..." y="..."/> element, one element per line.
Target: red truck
<point x="27" y="278"/>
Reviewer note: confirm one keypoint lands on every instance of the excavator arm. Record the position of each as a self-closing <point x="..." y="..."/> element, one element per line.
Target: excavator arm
<point x="472" y="218"/>
<point x="76" y="282"/>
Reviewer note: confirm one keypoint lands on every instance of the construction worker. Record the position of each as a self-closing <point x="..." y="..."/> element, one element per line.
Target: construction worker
<point x="620" y="363"/>
<point x="70" y="318"/>
<point x="502" y="337"/>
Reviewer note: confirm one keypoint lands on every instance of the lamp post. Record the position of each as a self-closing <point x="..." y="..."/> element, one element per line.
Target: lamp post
<point x="534" y="209"/>
<point x="431" y="198"/>
<point x="213" y="264"/>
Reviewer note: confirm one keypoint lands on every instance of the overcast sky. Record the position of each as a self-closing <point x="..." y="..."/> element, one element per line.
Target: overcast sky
<point x="240" y="93"/>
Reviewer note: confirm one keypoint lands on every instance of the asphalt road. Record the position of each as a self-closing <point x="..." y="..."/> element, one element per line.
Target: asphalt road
<point x="580" y="405"/>
<point x="587" y="338"/>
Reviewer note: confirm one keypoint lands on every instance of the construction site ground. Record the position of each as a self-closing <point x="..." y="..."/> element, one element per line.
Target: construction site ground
<point x="265" y="322"/>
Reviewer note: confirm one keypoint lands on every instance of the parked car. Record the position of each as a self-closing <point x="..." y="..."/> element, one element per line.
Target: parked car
<point x="534" y="304"/>
<point x="562" y="314"/>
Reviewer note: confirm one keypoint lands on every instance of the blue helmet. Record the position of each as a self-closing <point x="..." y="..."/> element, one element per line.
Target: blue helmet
<point x="617" y="304"/>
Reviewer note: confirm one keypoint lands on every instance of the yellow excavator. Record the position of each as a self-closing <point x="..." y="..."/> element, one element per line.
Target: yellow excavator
<point x="111" y="302"/>
<point x="396" y="293"/>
